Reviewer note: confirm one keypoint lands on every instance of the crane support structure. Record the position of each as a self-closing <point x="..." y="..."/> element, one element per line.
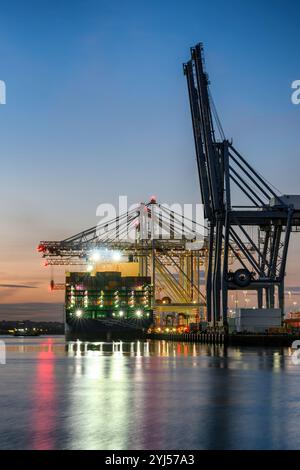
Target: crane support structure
<point x="256" y="228"/>
<point x="167" y="246"/>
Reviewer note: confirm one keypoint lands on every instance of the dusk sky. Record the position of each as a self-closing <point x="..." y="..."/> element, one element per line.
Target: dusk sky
<point x="97" y="107"/>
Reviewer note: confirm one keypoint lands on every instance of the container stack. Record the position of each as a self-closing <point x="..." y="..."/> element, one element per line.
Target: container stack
<point x="257" y="320"/>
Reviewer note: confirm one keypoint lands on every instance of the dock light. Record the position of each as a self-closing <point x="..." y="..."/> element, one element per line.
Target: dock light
<point x="89" y="268"/>
<point x="78" y="313"/>
<point x="138" y="313"/>
<point x="96" y="255"/>
<point x="116" y="255"/>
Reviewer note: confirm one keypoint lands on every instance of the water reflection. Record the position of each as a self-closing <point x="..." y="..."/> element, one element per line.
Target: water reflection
<point x="146" y="395"/>
<point x="115" y="348"/>
<point x="44" y="398"/>
<point x="141" y="348"/>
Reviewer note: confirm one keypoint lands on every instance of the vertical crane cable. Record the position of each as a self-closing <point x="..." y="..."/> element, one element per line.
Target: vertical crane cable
<point x="216" y="116"/>
<point x="222" y="135"/>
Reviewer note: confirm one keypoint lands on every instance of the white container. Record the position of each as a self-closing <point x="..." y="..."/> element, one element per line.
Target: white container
<point x="254" y="320"/>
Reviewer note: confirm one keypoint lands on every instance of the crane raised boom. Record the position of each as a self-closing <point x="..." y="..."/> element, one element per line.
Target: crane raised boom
<point x="206" y="149"/>
<point x="260" y="260"/>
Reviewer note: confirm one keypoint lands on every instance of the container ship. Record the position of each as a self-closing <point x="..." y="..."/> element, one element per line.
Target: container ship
<point x="112" y="302"/>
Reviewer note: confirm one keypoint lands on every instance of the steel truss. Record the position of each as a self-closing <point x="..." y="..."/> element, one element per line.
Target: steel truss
<point x="166" y="245"/>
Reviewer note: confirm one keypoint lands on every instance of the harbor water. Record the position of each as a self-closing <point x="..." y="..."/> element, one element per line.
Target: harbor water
<point x="147" y="395"/>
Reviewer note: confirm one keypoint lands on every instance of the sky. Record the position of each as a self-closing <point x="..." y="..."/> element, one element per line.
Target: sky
<point x="97" y="107"/>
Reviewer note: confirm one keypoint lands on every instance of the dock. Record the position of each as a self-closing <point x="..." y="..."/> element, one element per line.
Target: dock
<point x="274" y="340"/>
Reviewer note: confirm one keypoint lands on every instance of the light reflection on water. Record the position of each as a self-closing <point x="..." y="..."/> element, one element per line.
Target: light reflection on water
<point x="147" y="395"/>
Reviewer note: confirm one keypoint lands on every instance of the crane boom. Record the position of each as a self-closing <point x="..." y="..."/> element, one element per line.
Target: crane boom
<point x="220" y="166"/>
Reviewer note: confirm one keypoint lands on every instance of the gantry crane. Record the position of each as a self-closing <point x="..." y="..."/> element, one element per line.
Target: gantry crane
<point x="246" y="244"/>
<point x="164" y="243"/>
<point x="259" y="226"/>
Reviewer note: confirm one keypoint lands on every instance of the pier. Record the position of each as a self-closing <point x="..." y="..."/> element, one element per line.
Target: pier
<point x="273" y="340"/>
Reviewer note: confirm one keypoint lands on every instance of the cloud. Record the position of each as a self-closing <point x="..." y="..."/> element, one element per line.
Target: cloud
<point x="39" y="311"/>
<point x="17" y="286"/>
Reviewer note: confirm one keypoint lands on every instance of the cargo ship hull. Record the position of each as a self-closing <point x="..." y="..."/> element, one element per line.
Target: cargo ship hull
<point x="103" y="330"/>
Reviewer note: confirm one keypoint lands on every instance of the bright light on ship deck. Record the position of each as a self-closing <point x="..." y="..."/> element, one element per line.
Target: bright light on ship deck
<point x="116" y="255"/>
<point x="95" y="256"/>
<point x="121" y="313"/>
<point x="138" y="313"/>
<point x="78" y="313"/>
